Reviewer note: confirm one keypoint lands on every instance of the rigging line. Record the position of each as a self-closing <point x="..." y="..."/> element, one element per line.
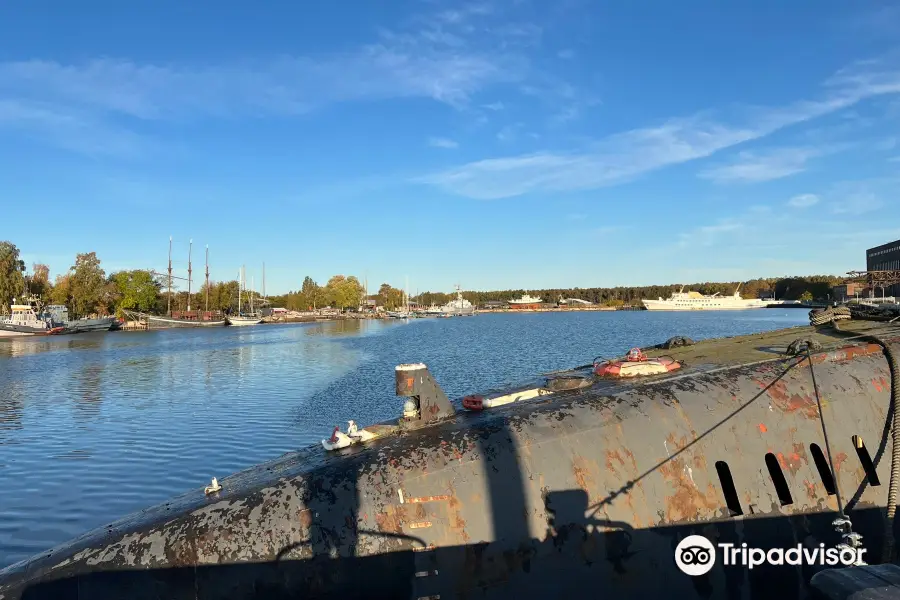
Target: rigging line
<point x="837" y="491"/>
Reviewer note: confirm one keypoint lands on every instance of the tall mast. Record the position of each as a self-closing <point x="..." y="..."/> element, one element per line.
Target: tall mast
<point x="240" y="285"/>
<point x="190" y="249"/>
<point x="407" y="295"/>
<point x="264" y="281"/>
<point x="207" y="278"/>
<point x="169" y="303"/>
<point x="252" y="287"/>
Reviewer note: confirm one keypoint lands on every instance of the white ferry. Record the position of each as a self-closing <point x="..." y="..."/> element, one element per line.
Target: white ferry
<point x="682" y="300"/>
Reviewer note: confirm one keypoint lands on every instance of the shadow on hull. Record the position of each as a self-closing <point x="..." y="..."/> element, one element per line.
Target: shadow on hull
<point x="578" y="558"/>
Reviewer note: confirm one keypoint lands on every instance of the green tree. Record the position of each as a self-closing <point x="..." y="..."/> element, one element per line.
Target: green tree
<point x="87" y="284"/>
<point x="353" y="291"/>
<point x="806" y="296"/>
<point x="138" y="290"/>
<point x="389" y="297"/>
<point x="310" y="294"/>
<point x="334" y="291"/>
<point x="12" y="278"/>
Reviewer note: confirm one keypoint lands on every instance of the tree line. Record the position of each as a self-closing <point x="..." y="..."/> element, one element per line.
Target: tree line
<point x="86" y="289"/>
<point x="818" y="287"/>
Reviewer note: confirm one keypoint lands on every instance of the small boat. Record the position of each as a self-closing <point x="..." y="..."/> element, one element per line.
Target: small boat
<point x="23" y="321"/>
<point x="241" y="320"/>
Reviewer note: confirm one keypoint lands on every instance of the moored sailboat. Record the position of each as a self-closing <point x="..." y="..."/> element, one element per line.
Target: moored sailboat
<point x="241" y="318"/>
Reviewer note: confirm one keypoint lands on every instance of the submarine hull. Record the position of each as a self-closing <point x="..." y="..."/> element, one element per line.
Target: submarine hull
<point x="579" y="491"/>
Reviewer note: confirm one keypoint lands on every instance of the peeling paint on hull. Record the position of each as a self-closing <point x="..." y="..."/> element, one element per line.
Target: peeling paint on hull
<point x="583" y="489"/>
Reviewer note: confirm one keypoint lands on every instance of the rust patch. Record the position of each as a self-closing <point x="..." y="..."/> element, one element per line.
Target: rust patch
<point x="391" y="520"/>
<point x="427" y="548"/>
<point x="800" y="453"/>
<point x="762" y="428"/>
<point x="791" y="403"/>
<point x="422" y="499"/>
<point x="420" y="525"/>
<point x="842" y="354"/>
<point x="612" y="456"/>
<point x="687" y="501"/>
<point x="810" y="489"/>
<point x="420" y="511"/>
<point x="305" y="517"/>
<point x="582" y="470"/>
<point x="838" y="461"/>
<point x="877" y="385"/>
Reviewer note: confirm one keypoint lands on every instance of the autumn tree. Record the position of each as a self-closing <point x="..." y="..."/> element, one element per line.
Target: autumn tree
<point x="87" y="284"/>
<point x="12" y="278"/>
<point x="39" y="282"/>
<point x="61" y="291"/>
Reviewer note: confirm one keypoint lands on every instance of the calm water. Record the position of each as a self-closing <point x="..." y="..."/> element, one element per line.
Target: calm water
<point x="96" y="426"/>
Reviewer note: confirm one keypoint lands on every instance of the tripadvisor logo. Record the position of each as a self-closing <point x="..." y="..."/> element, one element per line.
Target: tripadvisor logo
<point x="695" y="555"/>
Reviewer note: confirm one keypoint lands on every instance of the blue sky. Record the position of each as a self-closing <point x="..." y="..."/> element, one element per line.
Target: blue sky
<point x="496" y="143"/>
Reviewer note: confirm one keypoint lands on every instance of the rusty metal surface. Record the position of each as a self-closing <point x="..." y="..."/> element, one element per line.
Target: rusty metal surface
<point x="590" y="487"/>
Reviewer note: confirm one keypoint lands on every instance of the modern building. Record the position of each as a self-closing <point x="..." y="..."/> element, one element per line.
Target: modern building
<point x="885" y="257"/>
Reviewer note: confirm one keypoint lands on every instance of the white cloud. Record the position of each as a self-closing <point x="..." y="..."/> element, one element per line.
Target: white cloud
<point x="438" y="142"/>
<point x="495" y="106"/>
<point x="894" y="159"/>
<point x="624" y="156"/>
<point x="803" y="201"/>
<point x="750" y="167"/>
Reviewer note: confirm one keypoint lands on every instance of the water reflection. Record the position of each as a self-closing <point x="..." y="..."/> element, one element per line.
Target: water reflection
<point x="25" y="346"/>
<point x="87" y="382"/>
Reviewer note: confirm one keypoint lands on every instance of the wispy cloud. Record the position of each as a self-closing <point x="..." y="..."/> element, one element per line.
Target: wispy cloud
<point x="624" y="156"/>
<point x="567" y="54"/>
<point x="448" y="56"/>
<point x="709" y="234"/>
<point x="751" y="167"/>
<point x="860" y="197"/>
<point x="70" y="130"/>
<point x="803" y="201"/>
<point x="439" y="142"/>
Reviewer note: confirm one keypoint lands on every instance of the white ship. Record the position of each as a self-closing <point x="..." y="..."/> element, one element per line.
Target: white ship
<point x="460" y="306"/>
<point x="682" y="300"/>
<point x="525" y="301"/>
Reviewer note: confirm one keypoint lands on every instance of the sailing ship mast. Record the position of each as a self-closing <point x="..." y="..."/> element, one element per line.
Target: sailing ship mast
<point x="169" y="302"/>
<point x="190" y="250"/>
<point x="207" y="278"/>
<point x="240" y="288"/>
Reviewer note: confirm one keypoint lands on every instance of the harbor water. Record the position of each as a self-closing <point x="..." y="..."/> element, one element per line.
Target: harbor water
<point x="96" y="426"/>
